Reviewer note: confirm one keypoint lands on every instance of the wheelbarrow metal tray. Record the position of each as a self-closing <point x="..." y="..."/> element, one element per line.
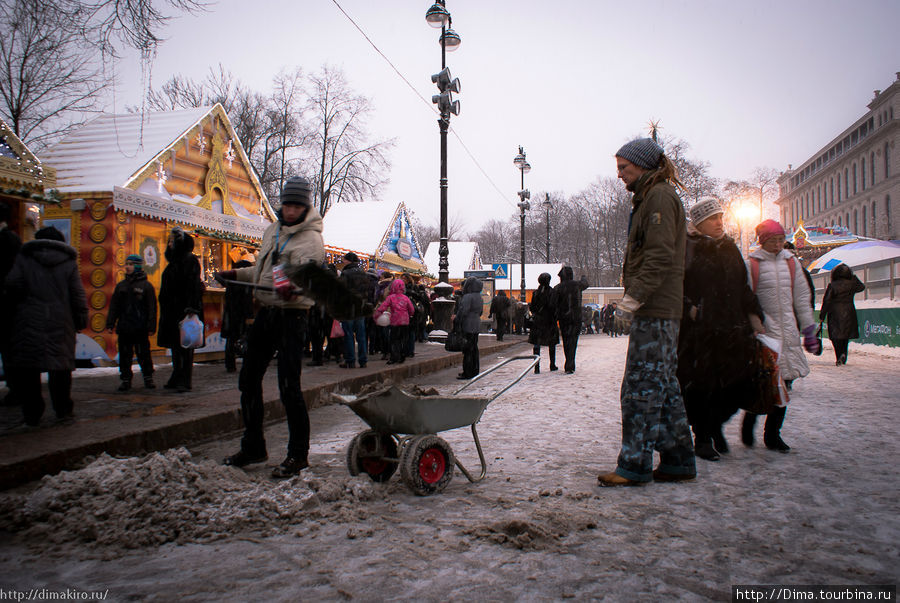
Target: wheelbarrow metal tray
<point x="393" y="410"/>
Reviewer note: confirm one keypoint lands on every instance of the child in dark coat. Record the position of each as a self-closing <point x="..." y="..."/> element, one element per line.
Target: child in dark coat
<point x="132" y="312"/>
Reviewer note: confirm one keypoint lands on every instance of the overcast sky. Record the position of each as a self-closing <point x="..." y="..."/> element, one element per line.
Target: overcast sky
<point x="746" y="84"/>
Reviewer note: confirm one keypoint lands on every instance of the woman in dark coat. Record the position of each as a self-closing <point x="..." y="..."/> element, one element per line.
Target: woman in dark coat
<point x="468" y="316"/>
<point x="716" y="347"/>
<point x="840" y="312"/>
<point x="543" y="321"/>
<point x="180" y="294"/>
<point x="47" y="307"/>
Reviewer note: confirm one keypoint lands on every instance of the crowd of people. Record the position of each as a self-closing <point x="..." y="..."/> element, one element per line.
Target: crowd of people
<point x="698" y="317"/>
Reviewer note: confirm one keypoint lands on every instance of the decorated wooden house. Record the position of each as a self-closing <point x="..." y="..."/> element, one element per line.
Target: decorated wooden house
<point x="379" y="232"/>
<point x="124" y="181"/>
<point x="26" y="183"/>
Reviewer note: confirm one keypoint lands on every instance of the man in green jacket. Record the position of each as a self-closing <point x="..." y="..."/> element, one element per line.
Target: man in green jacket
<point x="653" y="415"/>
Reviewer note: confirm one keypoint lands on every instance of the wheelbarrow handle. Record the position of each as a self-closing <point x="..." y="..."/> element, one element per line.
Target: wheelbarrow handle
<point x="532" y="357"/>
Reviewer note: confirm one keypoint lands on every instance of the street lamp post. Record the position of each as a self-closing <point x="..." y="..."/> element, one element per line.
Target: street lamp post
<point x="548" y="206"/>
<point x="438" y="16"/>
<point x="524" y="195"/>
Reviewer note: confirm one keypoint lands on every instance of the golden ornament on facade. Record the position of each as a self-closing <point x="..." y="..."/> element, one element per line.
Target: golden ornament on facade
<point x="121" y="235"/>
<point x="98" y="339"/>
<point x="97" y="233"/>
<point x="122" y="217"/>
<point x="98" y="322"/>
<point x="120" y="275"/>
<point x="98" y="210"/>
<point x="98" y="277"/>
<point x="98" y="255"/>
<point x="98" y="300"/>
<point x="120" y="256"/>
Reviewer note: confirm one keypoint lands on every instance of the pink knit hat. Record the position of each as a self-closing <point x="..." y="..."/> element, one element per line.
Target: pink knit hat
<point x="768" y="229"/>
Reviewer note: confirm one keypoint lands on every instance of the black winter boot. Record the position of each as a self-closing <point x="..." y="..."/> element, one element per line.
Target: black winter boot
<point x="772" y="435"/>
<point x="747" y="426"/>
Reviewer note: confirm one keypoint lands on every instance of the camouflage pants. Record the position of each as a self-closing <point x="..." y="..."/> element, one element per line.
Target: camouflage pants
<point x="653" y="416"/>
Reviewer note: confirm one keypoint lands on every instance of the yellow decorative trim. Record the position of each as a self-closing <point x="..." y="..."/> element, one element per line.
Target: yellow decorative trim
<point x="98" y="277"/>
<point x="98" y="210"/>
<point x="100" y="341"/>
<point x="98" y="255"/>
<point x="216" y="179"/>
<point x="120" y="256"/>
<point x="98" y="323"/>
<point x="121" y="235"/>
<point x="98" y="300"/>
<point x="97" y="233"/>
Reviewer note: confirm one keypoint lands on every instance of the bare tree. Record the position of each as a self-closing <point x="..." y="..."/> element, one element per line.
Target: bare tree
<point x="497" y="239"/>
<point x="347" y="165"/>
<point x="48" y="80"/>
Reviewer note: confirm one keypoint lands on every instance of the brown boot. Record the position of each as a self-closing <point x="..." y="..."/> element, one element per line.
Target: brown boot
<point x="612" y="479"/>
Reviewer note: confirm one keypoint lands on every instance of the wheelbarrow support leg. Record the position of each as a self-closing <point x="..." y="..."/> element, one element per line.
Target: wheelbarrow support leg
<point x="480" y="457"/>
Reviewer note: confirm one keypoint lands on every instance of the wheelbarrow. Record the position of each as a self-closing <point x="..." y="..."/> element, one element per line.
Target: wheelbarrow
<point x="404" y="430"/>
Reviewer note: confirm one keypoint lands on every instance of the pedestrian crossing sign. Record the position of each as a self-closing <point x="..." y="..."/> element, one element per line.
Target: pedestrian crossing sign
<point x="501" y="271"/>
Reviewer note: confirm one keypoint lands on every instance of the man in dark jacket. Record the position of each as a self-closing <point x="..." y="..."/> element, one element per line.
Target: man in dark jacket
<point x="500" y="311"/>
<point x="568" y="312"/>
<point x="238" y="309"/>
<point x="132" y="312"/>
<point x="47" y="304"/>
<point x="653" y="416"/>
<point x="355" y="330"/>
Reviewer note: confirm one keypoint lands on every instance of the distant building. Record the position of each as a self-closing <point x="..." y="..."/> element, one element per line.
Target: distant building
<point x="853" y="182"/>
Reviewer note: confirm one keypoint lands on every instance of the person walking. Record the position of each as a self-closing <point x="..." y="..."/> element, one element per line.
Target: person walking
<point x="777" y="279"/>
<point x="355" y="329"/>
<point x="10" y="243"/>
<point x="567" y="295"/>
<point x="468" y="317"/>
<point x="180" y="294"/>
<point x="839" y="310"/>
<point x="543" y="321"/>
<point x="499" y="310"/>
<point x="716" y="344"/>
<point x="279" y="328"/>
<point x="653" y="415"/>
<point x="47" y="306"/>
<point x="132" y="313"/>
<point x="402" y="311"/>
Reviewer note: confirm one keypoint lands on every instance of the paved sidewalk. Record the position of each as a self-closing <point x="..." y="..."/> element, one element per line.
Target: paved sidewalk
<point x="141" y="421"/>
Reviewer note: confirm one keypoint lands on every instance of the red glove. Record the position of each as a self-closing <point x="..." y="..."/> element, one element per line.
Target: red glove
<point x="285" y="291"/>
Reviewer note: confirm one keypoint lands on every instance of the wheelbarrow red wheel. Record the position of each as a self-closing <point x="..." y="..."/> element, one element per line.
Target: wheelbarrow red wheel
<point x="426" y="464"/>
<point x="374" y="454"/>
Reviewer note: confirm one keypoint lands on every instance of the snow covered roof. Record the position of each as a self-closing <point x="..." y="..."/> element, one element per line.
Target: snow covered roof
<point x="461" y="256"/>
<point x="114" y="149"/>
<point x="358" y="226"/>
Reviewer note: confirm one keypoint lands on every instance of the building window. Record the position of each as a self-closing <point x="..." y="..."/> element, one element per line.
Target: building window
<point x="855" y="181"/>
<point x="874" y="220"/>
<point x="831" y="196"/>
<point x="839" y="221"/>
<point x="887" y="162"/>
<point x="846" y="183"/>
<point x="862" y="165"/>
<point x="855" y="221"/>
<point x="847" y="220"/>
<point x="872" y="163"/>
<point x="864" y="222"/>
<point x="887" y="214"/>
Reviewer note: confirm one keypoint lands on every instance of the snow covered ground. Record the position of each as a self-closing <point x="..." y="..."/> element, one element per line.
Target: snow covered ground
<point x="536" y="528"/>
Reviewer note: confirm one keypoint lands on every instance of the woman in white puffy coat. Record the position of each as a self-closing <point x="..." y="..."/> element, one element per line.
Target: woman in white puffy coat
<point x="785" y="298"/>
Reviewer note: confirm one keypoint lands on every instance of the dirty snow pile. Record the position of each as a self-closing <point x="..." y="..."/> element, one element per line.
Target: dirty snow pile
<point x="168" y="497"/>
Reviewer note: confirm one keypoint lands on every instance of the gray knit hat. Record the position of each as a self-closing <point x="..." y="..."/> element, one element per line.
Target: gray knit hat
<point x="296" y="191"/>
<point x="642" y="152"/>
<point x="705" y="208"/>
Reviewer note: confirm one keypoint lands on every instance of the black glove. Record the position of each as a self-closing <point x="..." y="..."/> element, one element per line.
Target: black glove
<point x="225" y="275"/>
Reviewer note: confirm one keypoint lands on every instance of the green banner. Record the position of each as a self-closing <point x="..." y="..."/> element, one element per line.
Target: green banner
<point x="878" y="326"/>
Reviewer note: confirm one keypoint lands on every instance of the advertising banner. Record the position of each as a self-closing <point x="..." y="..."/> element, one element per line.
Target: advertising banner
<point x="878" y="326"/>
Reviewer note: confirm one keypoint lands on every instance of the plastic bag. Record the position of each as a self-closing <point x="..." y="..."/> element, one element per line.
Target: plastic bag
<point x="384" y="320"/>
<point x="336" y="330"/>
<point x="770" y="389"/>
<point x="191" y="330"/>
